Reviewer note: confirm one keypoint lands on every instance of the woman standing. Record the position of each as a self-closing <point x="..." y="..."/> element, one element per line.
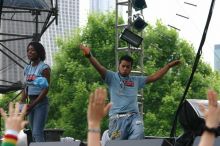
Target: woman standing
<point x="38" y="105"/>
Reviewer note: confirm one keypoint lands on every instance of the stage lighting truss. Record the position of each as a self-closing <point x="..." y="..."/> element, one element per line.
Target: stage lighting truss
<point x="131" y="38"/>
<point x="138" y="4"/>
<point x="138" y="22"/>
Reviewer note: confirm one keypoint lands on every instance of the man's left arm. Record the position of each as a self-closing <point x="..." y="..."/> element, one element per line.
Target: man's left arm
<point x="160" y="73"/>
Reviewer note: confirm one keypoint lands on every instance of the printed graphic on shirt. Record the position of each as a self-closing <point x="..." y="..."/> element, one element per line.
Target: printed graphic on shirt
<point x="128" y="83"/>
<point x="30" y="77"/>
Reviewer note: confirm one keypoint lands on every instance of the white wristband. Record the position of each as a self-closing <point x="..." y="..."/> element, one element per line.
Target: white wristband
<point x="12" y="132"/>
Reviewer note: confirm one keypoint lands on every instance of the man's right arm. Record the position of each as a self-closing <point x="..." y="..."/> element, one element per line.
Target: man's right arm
<point x="87" y="53"/>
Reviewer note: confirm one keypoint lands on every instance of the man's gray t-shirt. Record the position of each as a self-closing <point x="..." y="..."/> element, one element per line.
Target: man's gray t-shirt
<point x="123" y="92"/>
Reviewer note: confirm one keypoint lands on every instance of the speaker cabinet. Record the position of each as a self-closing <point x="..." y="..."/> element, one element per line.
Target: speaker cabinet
<point x="144" y="142"/>
<point x="197" y="139"/>
<point x="74" y="143"/>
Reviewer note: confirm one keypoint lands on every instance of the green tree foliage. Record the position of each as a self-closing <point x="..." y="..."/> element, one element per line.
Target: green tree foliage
<point x="73" y="78"/>
<point x="162" y="97"/>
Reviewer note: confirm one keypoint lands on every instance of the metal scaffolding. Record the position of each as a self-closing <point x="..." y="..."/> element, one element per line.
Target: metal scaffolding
<point x="21" y="21"/>
<point x="130" y="50"/>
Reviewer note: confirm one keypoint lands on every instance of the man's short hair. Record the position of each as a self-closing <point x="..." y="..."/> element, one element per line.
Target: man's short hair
<point x="126" y="58"/>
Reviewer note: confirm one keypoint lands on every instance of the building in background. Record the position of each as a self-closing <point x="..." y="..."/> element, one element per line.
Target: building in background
<point x="106" y="6"/>
<point x="68" y="20"/>
<point x="9" y="70"/>
<point x="72" y="14"/>
<point x="102" y="5"/>
<point x="217" y="58"/>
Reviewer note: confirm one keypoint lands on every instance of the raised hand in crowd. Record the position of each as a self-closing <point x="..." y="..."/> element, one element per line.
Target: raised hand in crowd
<point x="212" y="119"/>
<point x="14" y="122"/>
<point x="97" y="110"/>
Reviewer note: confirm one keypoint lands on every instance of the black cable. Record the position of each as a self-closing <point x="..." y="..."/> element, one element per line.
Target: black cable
<point x="198" y="55"/>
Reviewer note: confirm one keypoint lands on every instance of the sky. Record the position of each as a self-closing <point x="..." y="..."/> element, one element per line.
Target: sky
<point x="190" y="29"/>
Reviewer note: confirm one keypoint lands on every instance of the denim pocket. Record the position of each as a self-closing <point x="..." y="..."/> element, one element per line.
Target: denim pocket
<point x="113" y="130"/>
<point x="112" y="124"/>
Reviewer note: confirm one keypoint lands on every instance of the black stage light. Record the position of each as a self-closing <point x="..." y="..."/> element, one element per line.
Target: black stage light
<point x="139" y="4"/>
<point x="138" y="23"/>
<point x="131" y="37"/>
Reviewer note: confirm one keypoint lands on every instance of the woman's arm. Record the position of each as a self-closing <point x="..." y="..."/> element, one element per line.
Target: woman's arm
<point x="43" y="93"/>
<point x="23" y="95"/>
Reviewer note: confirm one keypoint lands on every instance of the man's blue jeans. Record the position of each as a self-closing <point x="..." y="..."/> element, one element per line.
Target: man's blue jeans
<point x="37" y="119"/>
<point x="127" y="127"/>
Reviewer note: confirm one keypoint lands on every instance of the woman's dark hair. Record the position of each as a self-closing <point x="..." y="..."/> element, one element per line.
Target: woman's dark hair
<point x="126" y="58"/>
<point x="39" y="48"/>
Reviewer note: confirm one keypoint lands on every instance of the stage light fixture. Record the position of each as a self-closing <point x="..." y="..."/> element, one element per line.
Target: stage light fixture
<point x="139" y="4"/>
<point x="138" y="23"/>
<point x="131" y="38"/>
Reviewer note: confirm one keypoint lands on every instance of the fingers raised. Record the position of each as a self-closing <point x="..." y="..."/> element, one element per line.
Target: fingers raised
<point x="212" y="98"/>
<point x="3" y="114"/>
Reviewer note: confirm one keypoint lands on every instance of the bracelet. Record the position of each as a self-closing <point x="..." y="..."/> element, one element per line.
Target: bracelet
<point x="211" y="130"/>
<point x="94" y="130"/>
<point x="88" y="55"/>
<point x="9" y="136"/>
<point x="9" y="140"/>
<point x="8" y="144"/>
